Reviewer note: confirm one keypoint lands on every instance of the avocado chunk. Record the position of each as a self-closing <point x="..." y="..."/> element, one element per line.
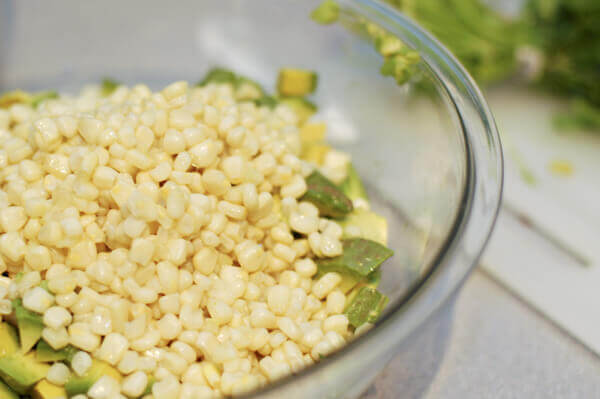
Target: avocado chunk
<point x="81" y="384"/>
<point x="326" y="196"/>
<point x="293" y="82"/>
<point x="46" y="390"/>
<point x="303" y="108"/>
<point x="365" y="224"/>
<point x="359" y="256"/>
<point x="9" y="342"/>
<point x="30" y="326"/>
<point x="45" y="353"/>
<point x="313" y="133"/>
<point x="21" y="371"/>
<point x="22" y="97"/>
<point x="365" y="306"/>
<point x="14" y="97"/>
<point x="314" y="148"/>
<point x="353" y="186"/>
<point x="6" y="392"/>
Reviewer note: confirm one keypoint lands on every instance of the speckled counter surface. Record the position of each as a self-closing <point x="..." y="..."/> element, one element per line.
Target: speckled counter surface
<point x="499" y="347"/>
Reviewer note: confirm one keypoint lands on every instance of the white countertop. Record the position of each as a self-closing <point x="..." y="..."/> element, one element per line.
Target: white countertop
<point x="499" y="347"/>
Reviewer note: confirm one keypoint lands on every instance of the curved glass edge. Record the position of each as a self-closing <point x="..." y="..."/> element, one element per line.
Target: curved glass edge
<point x="470" y="233"/>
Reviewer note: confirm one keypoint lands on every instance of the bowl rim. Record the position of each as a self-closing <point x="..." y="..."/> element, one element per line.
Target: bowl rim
<point x="448" y="269"/>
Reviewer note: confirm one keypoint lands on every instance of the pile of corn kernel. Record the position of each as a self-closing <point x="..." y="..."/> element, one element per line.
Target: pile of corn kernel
<point x="170" y="233"/>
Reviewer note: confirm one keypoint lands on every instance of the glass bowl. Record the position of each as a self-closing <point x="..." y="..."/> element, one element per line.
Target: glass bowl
<point x="432" y="162"/>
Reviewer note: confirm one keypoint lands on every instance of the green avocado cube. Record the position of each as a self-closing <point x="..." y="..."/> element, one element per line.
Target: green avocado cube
<point x="21" y="371"/>
<point x="9" y="342"/>
<point x="6" y="392"/>
<point x="294" y="82"/>
<point x="45" y="353"/>
<point x="30" y="326"/>
<point x="303" y="108"/>
<point x="365" y="224"/>
<point x="81" y="384"/>
<point x="353" y="186"/>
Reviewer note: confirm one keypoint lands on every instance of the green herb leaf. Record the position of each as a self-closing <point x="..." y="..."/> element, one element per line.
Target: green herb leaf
<point x="365" y="307"/>
<point x="580" y="115"/>
<point x="359" y="256"/>
<point x="326" y="196"/>
<point x="326" y="13"/>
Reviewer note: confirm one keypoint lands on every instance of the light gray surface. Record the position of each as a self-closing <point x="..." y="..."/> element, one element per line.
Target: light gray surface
<point x="500" y="348"/>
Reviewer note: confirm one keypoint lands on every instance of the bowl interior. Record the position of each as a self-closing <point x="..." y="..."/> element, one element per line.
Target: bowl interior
<point x="409" y="150"/>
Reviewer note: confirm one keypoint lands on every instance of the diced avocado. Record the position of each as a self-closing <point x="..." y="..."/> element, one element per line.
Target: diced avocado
<point x="14" y="97"/>
<point x="47" y="390"/>
<point x="81" y="384"/>
<point x="365" y="306"/>
<point x="266" y="101"/>
<point x="365" y="224"/>
<point x="313" y="132"/>
<point x="303" y="108"/>
<point x="21" y="371"/>
<point x="45" y="353"/>
<point x="326" y="13"/>
<point x="293" y="82"/>
<point x="326" y="196"/>
<point x="9" y="342"/>
<point x="359" y="255"/>
<point x="30" y="326"/>
<point x="314" y="148"/>
<point x="218" y="75"/>
<point x="42" y="96"/>
<point x="22" y="97"/>
<point x="6" y="392"/>
<point x="108" y="86"/>
<point x="315" y="152"/>
<point x="353" y="186"/>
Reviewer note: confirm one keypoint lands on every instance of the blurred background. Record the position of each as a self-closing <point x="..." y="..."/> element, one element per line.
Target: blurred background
<point x="528" y="321"/>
